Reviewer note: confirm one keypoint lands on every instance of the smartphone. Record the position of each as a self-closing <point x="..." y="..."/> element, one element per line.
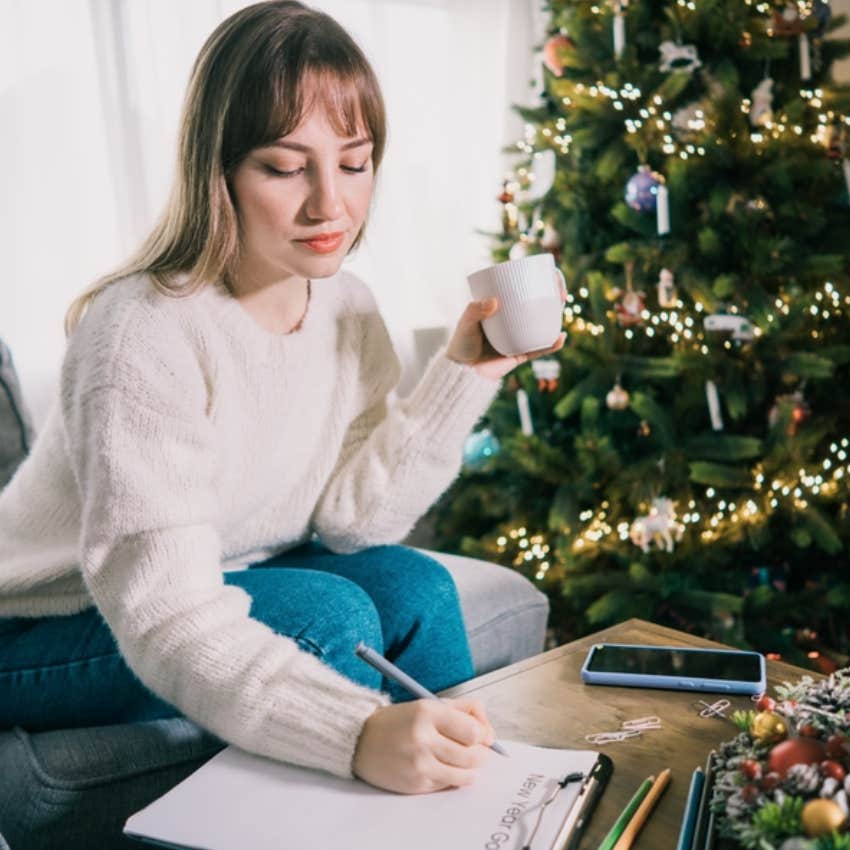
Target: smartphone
<point x="676" y="667"/>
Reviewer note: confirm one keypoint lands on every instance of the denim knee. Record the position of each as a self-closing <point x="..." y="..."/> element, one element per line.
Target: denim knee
<point x="328" y="619"/>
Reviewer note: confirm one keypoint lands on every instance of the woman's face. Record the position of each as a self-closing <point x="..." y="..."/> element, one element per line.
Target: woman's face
<point x="301" y="201"/>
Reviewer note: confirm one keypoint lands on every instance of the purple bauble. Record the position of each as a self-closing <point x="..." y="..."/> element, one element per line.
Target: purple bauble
<point x="642" y="189"/>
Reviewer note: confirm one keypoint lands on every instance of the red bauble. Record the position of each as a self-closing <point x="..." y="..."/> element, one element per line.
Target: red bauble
<point x="750" y="793"/>
<point x="553" y="53"/>
<point x="765" y="703"/>
<point x="809" y="731"/>
<point x="795" y="751"/>
<point x="751" y="769"/>
<point x="836" y="746"/>
<point x="833" y="770"/>
<point x="771" y="781"/>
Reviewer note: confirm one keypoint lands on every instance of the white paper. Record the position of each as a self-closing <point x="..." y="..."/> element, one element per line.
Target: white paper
<point x="237" y="801"/>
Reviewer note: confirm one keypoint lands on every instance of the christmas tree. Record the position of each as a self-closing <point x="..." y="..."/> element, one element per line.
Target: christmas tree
<point x="686" y="457"/>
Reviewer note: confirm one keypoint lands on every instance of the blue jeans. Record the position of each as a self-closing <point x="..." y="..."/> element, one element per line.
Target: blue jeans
<point x="66" y="671"/>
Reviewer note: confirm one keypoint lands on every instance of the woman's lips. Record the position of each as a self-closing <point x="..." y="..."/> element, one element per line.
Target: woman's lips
<point x="325" y="244"/>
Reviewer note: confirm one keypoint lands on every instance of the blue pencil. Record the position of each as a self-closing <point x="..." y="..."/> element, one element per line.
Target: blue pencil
<point x="689" y="820"/>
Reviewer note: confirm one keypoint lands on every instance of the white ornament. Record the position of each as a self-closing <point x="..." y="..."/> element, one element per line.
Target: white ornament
<point x="659" y="526"/>
<point x="713" y="399"/>
<point x="761" y="109"/>
<point x="666" y="289"/>
<point x="662" y="209"/>
<point x="524" y="411"/>
<point x="519" y="249"/>
<point x="739" y="328"/>
<point x="689" y="119"/>
<point x="679" y="57"/>
<point x="550" y="239"/>
<point x="617" y="398"/>
<point x="546" y="369"/>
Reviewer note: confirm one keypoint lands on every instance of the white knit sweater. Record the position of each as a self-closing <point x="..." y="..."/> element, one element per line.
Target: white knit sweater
<point x="189" y="441"/>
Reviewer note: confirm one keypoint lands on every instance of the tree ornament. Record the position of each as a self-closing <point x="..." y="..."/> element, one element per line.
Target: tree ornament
<point x="510" y="214"/>
<point x="642" y="189"/>
<point x="765" y="703"/>
<point x="768" y="728"/>
<point x="659" y="526"/>
<point x="712" y="398"/>
<point x="794" y="406"/>
<point x="751" y="769"/>
<point x="617" y="398"/>
<point x="619" y="27"/>
<point x="794" y="751"/>
<point x="787" y="21"/>
<point x="667" y="296"/>
<point x="524" y="410"/>
<point x="679" y="57"/>
<point x="833" y="769"/>
<point x="555" y="51"/>
<point x="551" y="239"/>
<point x="547" y="370"/>
<point x="689" y="120"/>
<point x="643" y="429"/>
<point x="837" y="746"/>
<point x="629" y="308"/>
<point x="519" y="249"/>
<point x="479" y="448"/>
<point x="821" y="817"/>
<point x="646" y="192"/>
<point x="730" y="326"/>
<point x="761" y="107"/>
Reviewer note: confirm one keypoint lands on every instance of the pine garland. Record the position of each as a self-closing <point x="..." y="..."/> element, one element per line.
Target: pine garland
<point x="760" y="809"/>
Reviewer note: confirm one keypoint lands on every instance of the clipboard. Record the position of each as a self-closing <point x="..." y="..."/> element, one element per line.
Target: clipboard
<point x="238" y="801"/>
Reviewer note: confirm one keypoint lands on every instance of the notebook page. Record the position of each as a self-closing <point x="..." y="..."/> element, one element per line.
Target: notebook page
<point x="238" y="801"/>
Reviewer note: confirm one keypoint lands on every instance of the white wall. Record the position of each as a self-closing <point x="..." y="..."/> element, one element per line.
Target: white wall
<point x="90" y="92"/>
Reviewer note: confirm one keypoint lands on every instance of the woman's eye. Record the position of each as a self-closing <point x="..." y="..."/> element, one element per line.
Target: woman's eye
<point x="279" y="172"/>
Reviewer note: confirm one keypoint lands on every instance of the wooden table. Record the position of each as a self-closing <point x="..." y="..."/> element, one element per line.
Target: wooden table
<point x="543" y="701"/>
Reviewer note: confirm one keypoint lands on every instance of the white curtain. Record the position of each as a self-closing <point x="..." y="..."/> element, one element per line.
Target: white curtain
<point x="91" y="91"/>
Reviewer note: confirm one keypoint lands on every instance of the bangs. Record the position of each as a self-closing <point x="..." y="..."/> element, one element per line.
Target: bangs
<point x="278" y="89"/>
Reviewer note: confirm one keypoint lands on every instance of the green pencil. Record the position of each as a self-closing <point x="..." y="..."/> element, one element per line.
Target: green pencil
<point x="622" y="822"/>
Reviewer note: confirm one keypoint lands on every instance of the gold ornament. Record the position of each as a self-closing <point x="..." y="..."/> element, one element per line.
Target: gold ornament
<point x="768" y="727"/>
<point x="617" y="398"/>
<point x="821" y="817"/>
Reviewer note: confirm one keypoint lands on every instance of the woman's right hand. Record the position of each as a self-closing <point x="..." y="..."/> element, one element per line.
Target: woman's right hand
<point x="424" y="745"/>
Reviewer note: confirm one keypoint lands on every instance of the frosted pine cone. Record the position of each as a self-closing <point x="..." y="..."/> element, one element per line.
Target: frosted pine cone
<point x="802" y="779"/>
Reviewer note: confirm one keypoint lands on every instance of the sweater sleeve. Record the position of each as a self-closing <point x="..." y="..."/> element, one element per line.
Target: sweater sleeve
<point x="398" y="455"/>
<point x="143" y="455"/>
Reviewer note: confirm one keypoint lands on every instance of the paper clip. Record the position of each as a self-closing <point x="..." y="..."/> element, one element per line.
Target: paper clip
<point x="716" y="709"/>
<point x="612" y="737"/>
<point x="643" y="723"/>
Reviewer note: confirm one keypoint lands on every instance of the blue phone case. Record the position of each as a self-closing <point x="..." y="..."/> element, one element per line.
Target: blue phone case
<point x="678" y="683"/>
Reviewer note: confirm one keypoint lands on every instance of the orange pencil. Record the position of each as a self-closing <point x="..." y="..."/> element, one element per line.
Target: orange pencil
<point x="640" y="816"/>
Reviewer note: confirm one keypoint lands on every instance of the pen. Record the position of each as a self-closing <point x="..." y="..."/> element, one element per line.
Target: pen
<point x="641" y="815"/>
<point x="392" y="672"/>
<point x="689" y="819"/>
<point x="620" y="824"/>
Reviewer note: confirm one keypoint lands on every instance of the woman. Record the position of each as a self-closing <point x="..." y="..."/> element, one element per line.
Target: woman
<point x="224" y="397"/>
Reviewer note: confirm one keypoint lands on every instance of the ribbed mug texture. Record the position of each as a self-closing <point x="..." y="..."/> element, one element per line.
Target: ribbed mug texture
<point x="530" y="313"/>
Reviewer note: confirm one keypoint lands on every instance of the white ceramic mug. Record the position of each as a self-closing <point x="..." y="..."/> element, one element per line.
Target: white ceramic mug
<point x="530" y="311"/>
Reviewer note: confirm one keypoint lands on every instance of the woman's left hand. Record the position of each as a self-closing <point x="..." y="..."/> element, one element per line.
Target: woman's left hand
<point x="471" y="347"/>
